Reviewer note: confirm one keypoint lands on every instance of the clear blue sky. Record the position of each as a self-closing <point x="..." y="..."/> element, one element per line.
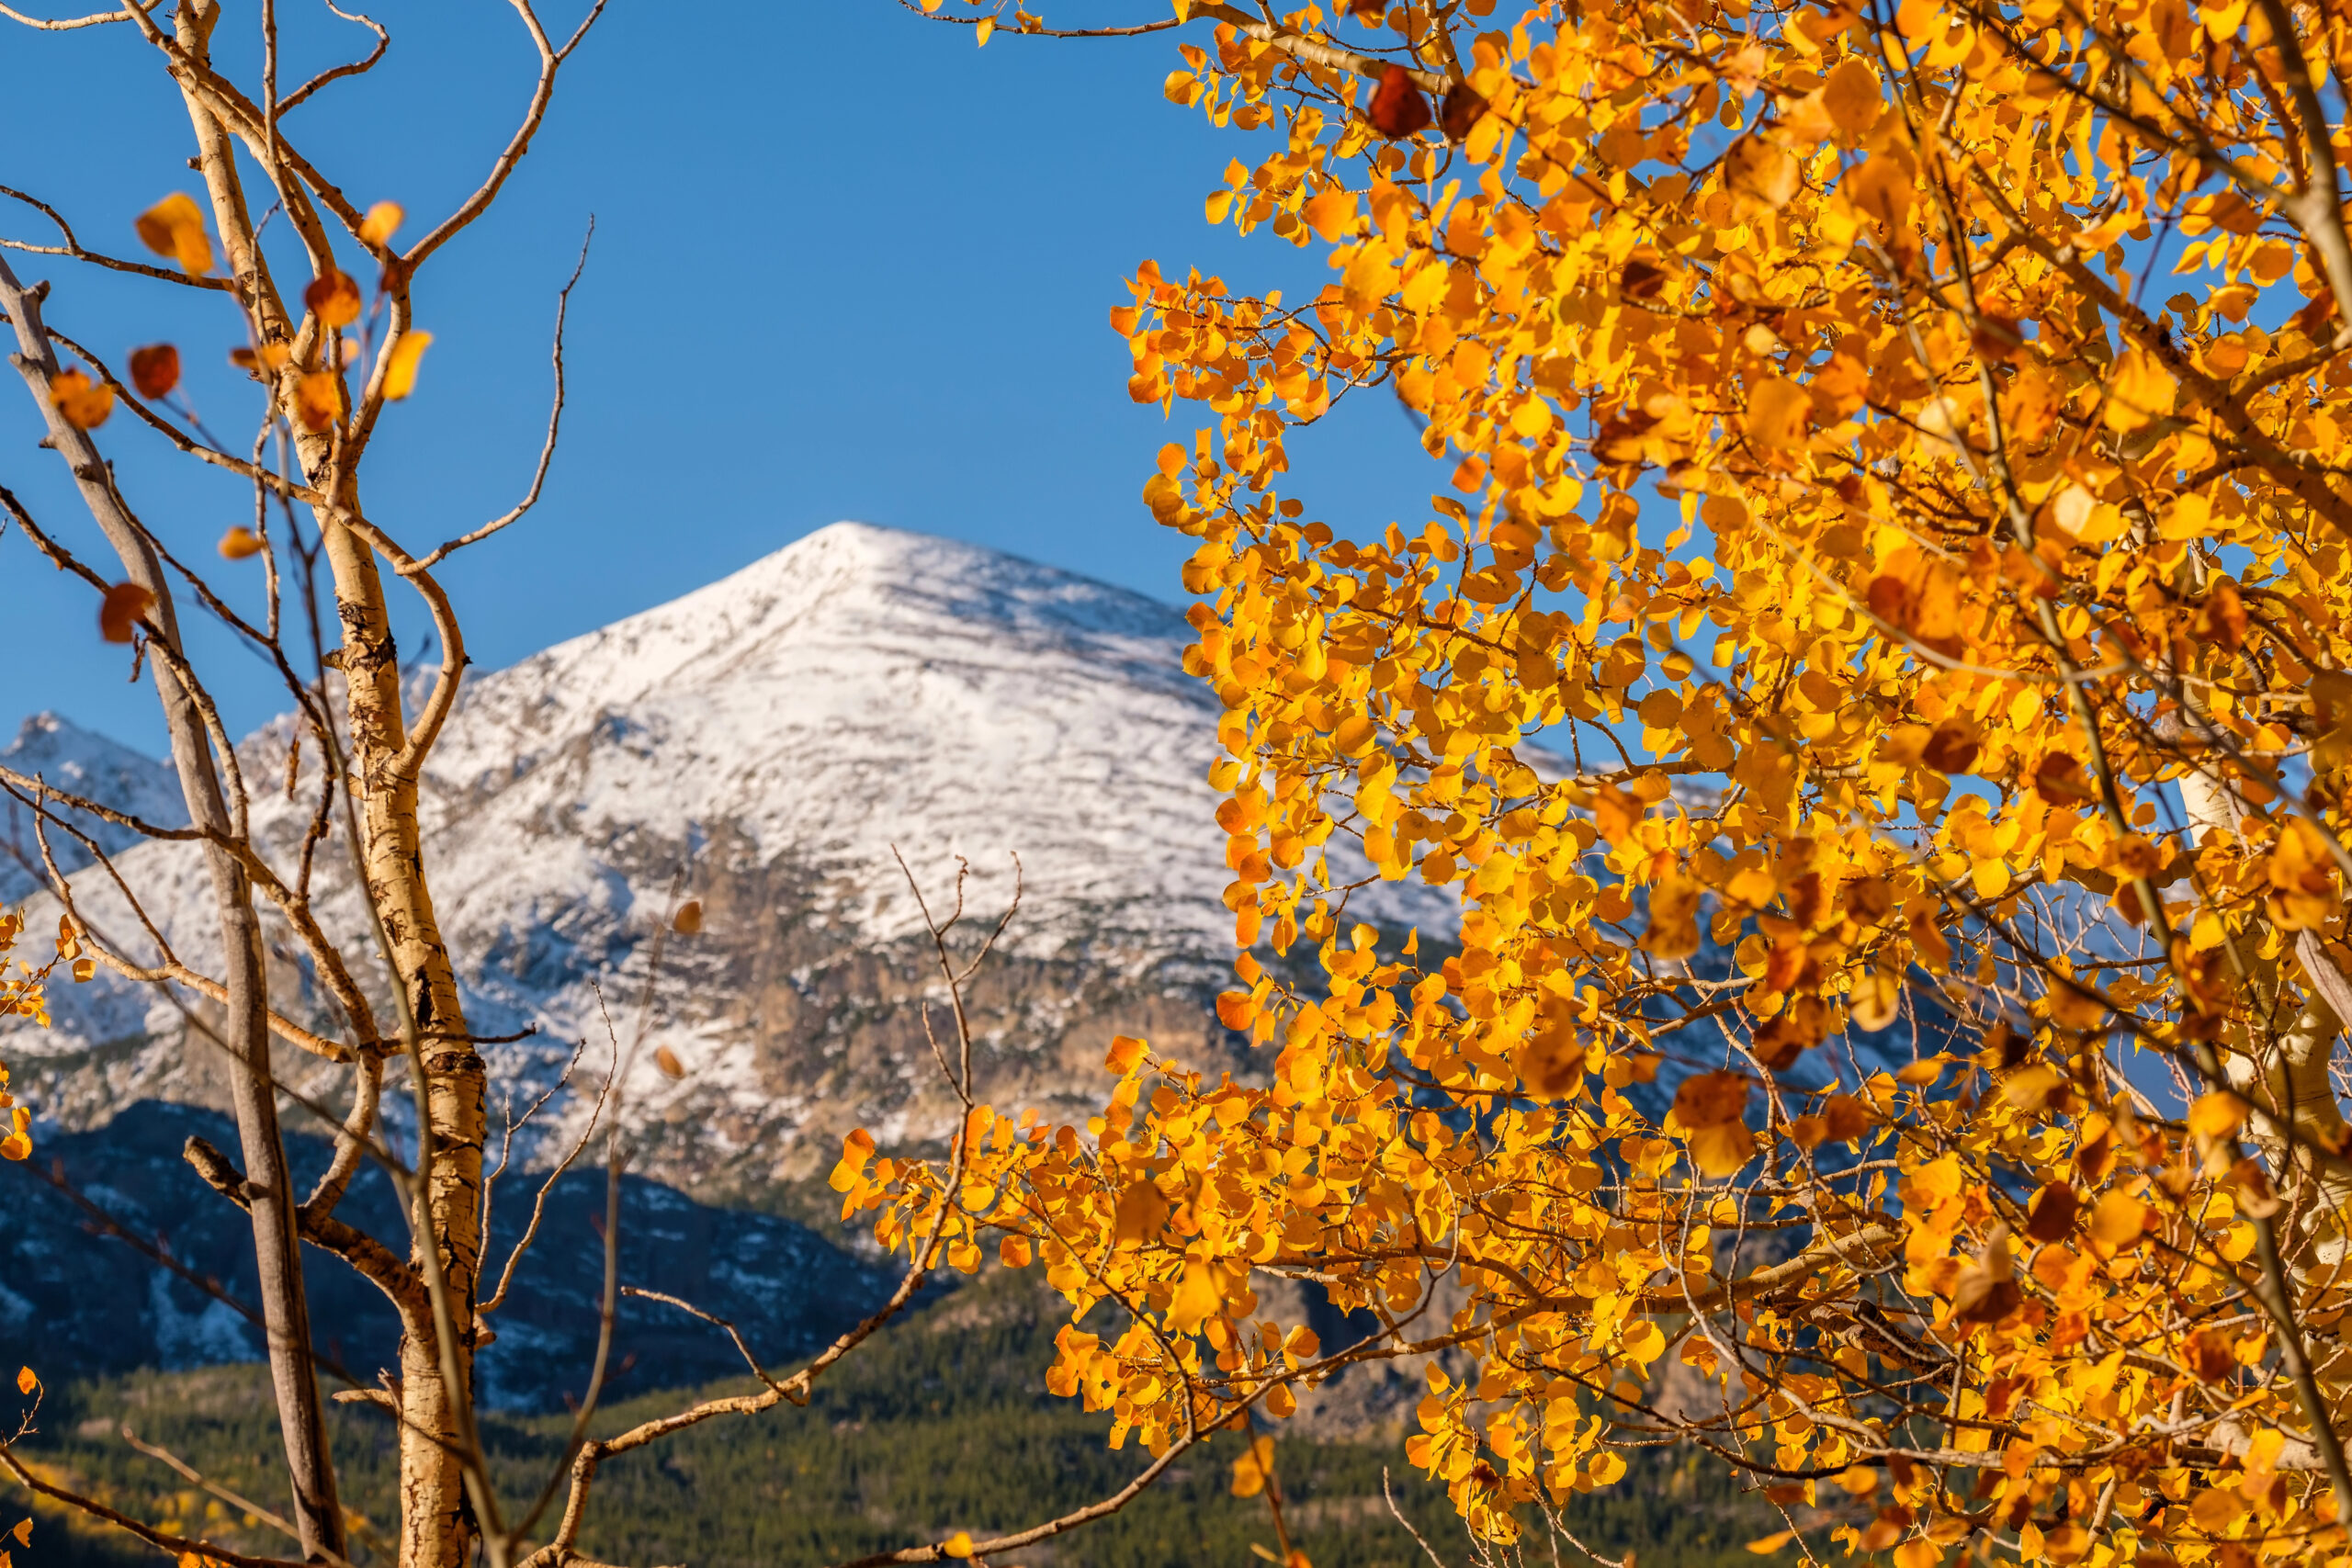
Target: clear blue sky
<point x="846" y="267"/>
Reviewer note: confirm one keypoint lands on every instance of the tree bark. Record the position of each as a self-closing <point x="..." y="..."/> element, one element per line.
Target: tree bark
<point x="437" y="1528"/>
<point x="244" y="1024"/>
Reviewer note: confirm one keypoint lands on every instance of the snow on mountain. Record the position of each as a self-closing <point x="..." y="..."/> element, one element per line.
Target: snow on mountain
<point x="774" y="735"/>
<point x="68" y="758"/>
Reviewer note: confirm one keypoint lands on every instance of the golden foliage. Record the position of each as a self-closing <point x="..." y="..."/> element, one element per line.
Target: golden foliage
<point x="1854" y="605"/>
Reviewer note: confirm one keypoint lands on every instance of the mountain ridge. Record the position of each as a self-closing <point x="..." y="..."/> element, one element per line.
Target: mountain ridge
<point x="780" y="738"/>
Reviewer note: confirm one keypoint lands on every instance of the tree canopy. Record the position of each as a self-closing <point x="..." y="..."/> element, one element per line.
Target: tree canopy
<point x="1877" y="684"/>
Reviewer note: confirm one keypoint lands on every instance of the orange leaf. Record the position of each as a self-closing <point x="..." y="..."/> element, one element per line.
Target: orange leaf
<point x="84" y="403"/>
<point x="239" y="544"/>
<point x="125" y="603"/>
<point x="1779" y="414"/>
<point x="1709" y="1099"/>
<point x="958" y="1545"/>
<point x="667" y="1061"/>
<point x="318" y="399"/>
<point x="333" y="299"/>
<point x="174" y="227"/>
<point x="26" y="1381"/>
<point x="688" y="919"/>
<point x="1760" y="170"/>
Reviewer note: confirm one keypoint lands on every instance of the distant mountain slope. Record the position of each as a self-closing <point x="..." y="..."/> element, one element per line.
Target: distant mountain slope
<point x="777" y="733"/>
<point x="82" y="1303"/>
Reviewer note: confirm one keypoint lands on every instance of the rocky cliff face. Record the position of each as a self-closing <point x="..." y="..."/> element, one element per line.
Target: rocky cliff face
<point x="778" y="740"/>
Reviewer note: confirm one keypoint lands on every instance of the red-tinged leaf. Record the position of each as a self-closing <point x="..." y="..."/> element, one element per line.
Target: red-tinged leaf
<point x="1460" y="111"/>
<point x="155" y="369"/>
<point x="1397" y="108"/>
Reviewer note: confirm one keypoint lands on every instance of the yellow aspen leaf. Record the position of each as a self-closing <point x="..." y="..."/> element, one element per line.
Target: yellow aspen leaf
<point x="2139" y="389"/>
<point x="959" y="1546"/>
<point x="174" y="227"/>
<point x="381" y="222"/>
<point x="857" y="1153"/>
<point x="1674" y="919"/>
<point x="2119" y="1220"/>
<point x="240" y="544"/>
<point x="1721" y="1150"/>
<point x="1917" y="1553"/>
<point x="1764" y="1546"/>
<point x="1881" y="188"/>
<point x="25" y="1382"/>
<point x="1126" y="1054"/>
<point x="2217" y="1115"/>
<point x="84" y="403"/>
<point x="1779" y="414"/>
<point x="1330" y="213"/>
<point x="1253" y="1468"/>
<point x="1852" y="97"/>
<point x="399" y="368"/>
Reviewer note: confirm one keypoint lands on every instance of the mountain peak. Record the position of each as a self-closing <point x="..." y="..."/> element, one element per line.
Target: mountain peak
<point x="79" y="762"/>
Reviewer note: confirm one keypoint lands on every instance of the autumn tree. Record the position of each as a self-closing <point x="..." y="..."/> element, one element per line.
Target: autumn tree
<point x="1877" y="675"/>
<point x="323" y="864"/>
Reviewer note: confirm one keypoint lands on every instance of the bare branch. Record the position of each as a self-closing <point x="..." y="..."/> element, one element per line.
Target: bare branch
<point x="72" y="247"/>
<point x="357" y="68"/>
<point x="555" y="422"/>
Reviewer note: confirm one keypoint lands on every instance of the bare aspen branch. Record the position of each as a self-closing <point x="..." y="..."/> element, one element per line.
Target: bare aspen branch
<point x="555" y="425"/>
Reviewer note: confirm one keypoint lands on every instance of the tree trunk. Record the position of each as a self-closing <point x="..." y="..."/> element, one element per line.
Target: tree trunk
<point x="244" y="1033"/>
<point x="437" y="1525"/>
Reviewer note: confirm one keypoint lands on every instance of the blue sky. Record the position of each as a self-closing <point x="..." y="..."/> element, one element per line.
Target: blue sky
<point x="846" y="265"/>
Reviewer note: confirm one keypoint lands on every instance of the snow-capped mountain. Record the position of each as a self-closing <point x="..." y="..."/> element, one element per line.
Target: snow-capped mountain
<point x="771" y="738"/>
<point x="65" y="756"/>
